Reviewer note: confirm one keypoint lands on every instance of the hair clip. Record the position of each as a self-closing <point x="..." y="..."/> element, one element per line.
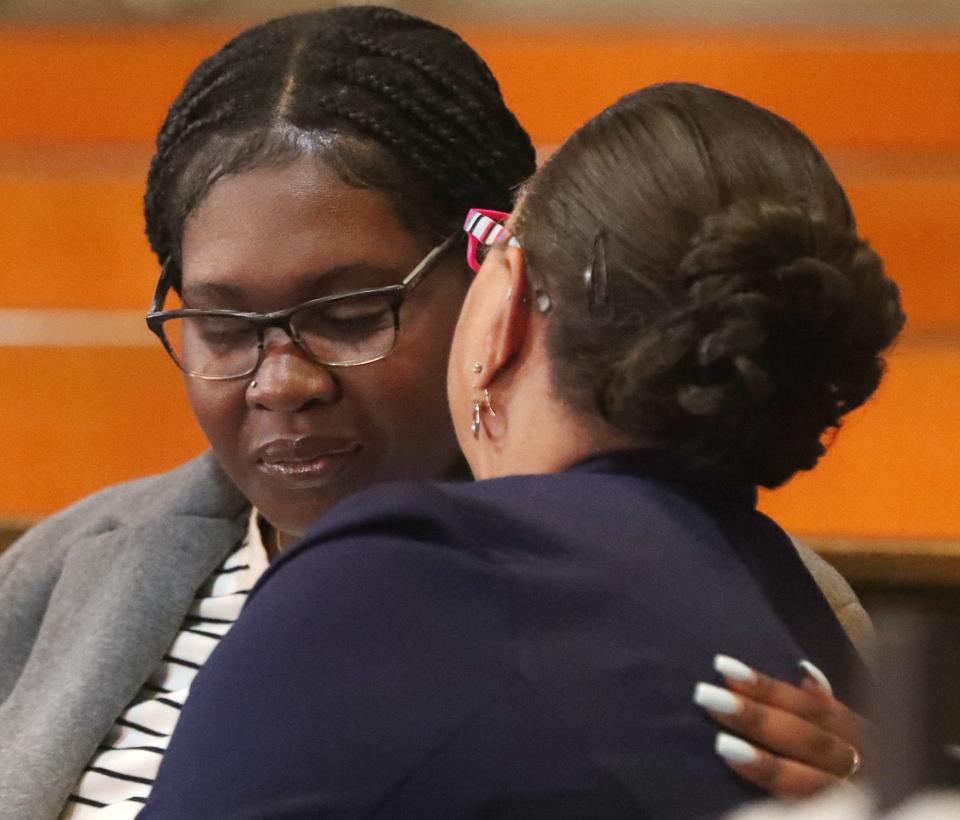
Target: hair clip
<point x="595" y="278"/>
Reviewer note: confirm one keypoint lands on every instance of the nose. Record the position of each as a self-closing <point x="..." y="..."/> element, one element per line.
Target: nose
<point x="287" y="380"/>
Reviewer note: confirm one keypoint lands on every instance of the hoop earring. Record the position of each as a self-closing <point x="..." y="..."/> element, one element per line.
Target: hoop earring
<point x="478" y="408"/>
<point x="486" y="400"/>
<point x="475" y="423"/>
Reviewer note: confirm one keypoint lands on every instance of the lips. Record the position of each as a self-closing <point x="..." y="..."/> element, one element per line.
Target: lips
<point x="306" y="461"/>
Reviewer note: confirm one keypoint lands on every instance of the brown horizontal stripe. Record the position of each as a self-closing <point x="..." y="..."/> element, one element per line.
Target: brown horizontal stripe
<point x="893" y="562"/>
<point x="20" y="327"/>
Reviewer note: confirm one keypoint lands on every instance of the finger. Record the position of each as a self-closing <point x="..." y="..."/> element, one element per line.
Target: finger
<point x="811" y="702"/>
<point x="813" y="674"/>
<point x="843" y="719"/>
<point x="780" y="732"/>
<point x="773" y="774"/>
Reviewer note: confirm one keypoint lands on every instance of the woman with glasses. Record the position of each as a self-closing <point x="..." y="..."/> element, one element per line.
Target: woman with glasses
<point x="305" y="202"/>
<point x="677" y="311"/>
<point x="308" y="187"/>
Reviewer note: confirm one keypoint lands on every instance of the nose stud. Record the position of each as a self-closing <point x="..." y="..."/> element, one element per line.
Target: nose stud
<point x="253" y="383"/>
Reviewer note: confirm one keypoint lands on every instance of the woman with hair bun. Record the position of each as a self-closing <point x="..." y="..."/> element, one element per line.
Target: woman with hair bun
<point x="678" y="311"/>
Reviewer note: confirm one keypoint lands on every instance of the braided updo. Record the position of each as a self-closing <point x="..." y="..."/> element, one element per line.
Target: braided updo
<point x="389" y="101"/>
<point x="742" y="315"/>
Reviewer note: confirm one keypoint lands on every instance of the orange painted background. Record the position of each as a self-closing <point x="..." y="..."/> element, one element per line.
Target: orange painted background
<point x="79" y="108"/>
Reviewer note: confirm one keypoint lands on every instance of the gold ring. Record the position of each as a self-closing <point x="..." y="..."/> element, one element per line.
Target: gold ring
<point x="854" y="764"/>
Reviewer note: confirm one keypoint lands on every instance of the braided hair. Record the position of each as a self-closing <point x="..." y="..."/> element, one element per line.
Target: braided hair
<point x="742" y="316"/>
<point x="388" y="100"/>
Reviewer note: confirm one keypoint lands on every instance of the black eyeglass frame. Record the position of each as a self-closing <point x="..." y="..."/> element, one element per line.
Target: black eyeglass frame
<point x="394" y="294"/>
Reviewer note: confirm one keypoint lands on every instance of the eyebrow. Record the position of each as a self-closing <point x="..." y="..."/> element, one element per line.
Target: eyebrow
<point x="213" y="289"/>
<point x="317" y="282"/>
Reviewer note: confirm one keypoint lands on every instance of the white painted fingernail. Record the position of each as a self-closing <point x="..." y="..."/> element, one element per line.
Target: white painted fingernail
<point x="817" y="675"/>
<point x="733" y="669"/>
<point x="716" y="699"/>
<point x="734" y="749"/>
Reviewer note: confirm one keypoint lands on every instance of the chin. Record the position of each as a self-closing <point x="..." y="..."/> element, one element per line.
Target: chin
<point x="297" y="511"/>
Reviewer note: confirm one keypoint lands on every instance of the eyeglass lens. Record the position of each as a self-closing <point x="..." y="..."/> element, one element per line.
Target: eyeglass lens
<point x="352" y="330"/>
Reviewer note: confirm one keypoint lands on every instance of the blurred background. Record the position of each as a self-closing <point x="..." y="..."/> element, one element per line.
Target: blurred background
<point x="89" y="398"/>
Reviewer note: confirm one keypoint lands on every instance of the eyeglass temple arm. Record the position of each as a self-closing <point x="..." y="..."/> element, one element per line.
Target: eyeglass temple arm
<point x="160" y="292"/>
<point x="413" y="278"/>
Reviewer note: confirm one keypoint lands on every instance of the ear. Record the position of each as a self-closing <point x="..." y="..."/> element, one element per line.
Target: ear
<point x="509" y="323"/>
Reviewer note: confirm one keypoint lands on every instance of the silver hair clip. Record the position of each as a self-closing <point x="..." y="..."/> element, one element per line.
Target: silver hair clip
<point x="595" y="278"/>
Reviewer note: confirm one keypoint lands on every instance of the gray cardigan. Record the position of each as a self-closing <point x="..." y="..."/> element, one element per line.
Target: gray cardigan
<point x="92" y="598"/>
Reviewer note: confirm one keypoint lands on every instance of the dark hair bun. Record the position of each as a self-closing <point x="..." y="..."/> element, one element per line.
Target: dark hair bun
<point x="744" y="315"/>
<point x="781" y="323"/>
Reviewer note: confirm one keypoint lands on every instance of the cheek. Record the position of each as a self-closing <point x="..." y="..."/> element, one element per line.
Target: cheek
<point x="401" y="406"/>
<point x="219" y="409"/>
<point x="408" y="393"/>
<point x="416" y="384"/>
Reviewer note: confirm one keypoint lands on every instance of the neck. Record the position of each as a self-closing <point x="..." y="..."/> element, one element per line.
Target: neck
<point x="274" y="541"/>
<point x="535" y="433"/>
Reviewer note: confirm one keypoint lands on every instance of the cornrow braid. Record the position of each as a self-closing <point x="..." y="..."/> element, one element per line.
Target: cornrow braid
<point x="450" y="98"/>
<point x="392" y="101"/>
<point x="480" y="94"/>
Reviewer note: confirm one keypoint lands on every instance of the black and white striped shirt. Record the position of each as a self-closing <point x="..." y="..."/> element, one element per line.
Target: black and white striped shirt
<point x="116" y="783"/>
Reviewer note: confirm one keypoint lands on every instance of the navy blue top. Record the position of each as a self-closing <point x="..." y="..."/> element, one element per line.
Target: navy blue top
<point x="524" y="647"/>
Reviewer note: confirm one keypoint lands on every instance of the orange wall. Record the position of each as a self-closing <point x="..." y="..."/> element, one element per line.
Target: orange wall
<point x="80" y="106"/>
<point x="894" y="91"/>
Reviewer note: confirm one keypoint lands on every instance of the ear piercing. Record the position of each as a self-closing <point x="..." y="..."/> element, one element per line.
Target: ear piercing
<point x="478" y="407"/>
<point x="477" y="367"/>
<point x="544" y="303"/>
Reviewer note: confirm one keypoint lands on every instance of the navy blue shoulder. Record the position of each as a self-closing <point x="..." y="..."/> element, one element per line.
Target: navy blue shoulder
<point x="504" y="518"/>
<point x="638" y="484"/>
<point x="395" y="523"/>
